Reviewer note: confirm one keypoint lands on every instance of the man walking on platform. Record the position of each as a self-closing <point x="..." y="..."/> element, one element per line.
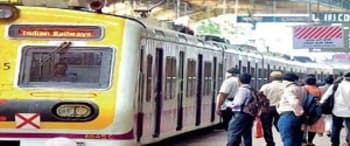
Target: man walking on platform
<point x="291" y="109"/>
<point x="273" y="91"/>
<point x="341" y="107"/>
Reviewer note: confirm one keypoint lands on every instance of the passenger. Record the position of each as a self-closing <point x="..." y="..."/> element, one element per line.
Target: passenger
<point x="227" y="91"/>
<point x="318" y="127"/>
<point x="290" y="109"/>
<point x="327" y="117"/>
<point x="341" y="108"/>
<point x="60" y="141"/>
<point x="60" y="73"/>
<point x="328" y="82"/>
<point x="241" y="123"/>
<point x="273" y="92"/>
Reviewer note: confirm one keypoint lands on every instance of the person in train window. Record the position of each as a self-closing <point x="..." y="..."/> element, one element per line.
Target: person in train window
<point x="273" y="92"/>
<point x="318" y="127"/>
<point x="327" y="118"/>
<point x="341" y="108"/>
<point x="60" y="141"/>
<point x="290" y="109"/>
<point x="241" y="123"/>
<point x="227" y="91"/>
<point x="60" y="73"/>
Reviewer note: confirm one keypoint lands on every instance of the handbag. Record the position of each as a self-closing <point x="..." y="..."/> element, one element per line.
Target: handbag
<point x="259" y="133"/>
<point x="328" y="105"/>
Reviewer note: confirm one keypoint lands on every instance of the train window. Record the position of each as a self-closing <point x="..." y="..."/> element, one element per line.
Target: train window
<point x="207" y="78"/>
<point x="170" y="81"/>
<point x="191" y="78"/>
<point x="149" y="78"/>
<point x="244" y="69"/>
<point x="248" y="67"/>
<point x="260" y="73"/>
<point x="71" y="67"/>
<point x="239" y="65"/>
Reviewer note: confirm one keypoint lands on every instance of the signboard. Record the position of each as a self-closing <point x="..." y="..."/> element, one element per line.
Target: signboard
<point x="248" y="19"/>
<point x="22" y="31"/>
<point x="331" y="17"/>
<point x="318" y="37"/>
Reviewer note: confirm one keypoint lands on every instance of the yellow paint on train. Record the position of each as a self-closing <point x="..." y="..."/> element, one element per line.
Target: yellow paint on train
<point x="10" y="49"/>
<point x="9" y="1"/>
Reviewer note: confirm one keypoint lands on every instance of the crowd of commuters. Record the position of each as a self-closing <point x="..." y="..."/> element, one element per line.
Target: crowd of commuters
<point x="287" y="93"/>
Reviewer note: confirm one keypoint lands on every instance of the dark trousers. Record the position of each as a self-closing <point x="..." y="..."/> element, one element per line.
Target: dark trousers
<point x="336" y="127"/>
<point x="309" y="137"/>
<point x="290" y="129"/>
<point x="269" y="119"/>
<point x="226" y="117"/>
<point x="240" y="126"/>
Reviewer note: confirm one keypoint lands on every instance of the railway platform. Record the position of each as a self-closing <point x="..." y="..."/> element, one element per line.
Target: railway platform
<point x="217" y="137"/>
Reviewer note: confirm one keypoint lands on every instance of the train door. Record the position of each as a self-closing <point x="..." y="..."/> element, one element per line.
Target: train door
<point x="180" y="95"/>
<point x="139" y="103"/>
<point x="199" y="89"/>
<point x="158" y="90"/>
<point x="212" y="119"/>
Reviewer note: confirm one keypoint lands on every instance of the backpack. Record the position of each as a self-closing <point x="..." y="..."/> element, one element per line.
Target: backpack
<point x="257" y="103"/>
<point x="327" y="106"/>
<point x="312" y="110"/>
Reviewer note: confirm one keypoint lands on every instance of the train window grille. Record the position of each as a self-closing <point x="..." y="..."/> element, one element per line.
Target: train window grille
<point x="248" y="67"/>
<point x="260" y="73"/>
<point x="245" y="69"/>
<point x="170" y="86"/>
<point x="149" y="78"/>
<point x="191" y="78"/>
<point x="240" y="65"/>
<point x="207" y="78"/>
<point x="76" y="67"/>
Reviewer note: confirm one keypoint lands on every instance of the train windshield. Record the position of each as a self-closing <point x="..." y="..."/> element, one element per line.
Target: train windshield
<point x="75" y="67"/>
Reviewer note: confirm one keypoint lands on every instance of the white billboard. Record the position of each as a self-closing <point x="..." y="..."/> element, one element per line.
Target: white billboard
<point x="318" y="37"/>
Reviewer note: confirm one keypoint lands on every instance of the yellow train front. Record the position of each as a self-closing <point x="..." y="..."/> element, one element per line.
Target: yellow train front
<point x="64" y="73"/>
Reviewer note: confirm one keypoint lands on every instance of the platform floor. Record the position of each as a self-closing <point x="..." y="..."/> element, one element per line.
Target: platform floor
<point x="217" y="137"/>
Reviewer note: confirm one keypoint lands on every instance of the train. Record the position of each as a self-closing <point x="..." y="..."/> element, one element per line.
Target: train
<point x="111" y="80"/>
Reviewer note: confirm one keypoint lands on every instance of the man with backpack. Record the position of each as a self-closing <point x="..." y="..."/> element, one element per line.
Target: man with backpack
<point x="241" y="122"/>
<point x="290" y="109"/>
<point x="273" y="92"/>
<point x="341" y="107"/>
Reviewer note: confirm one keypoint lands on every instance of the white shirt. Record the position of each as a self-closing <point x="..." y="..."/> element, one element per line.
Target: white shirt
<point x="341" y="106"/>
<point x="273" y="91"/>
<point x="292" y="98"/>
<point x="230" y="87"/>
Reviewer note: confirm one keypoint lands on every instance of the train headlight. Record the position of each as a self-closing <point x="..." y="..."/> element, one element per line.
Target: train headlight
<point x="8" y="13"/>
<point x="73" y="111"/>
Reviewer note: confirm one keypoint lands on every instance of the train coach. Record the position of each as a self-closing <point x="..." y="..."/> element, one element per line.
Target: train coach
<point x="99" y="78"/>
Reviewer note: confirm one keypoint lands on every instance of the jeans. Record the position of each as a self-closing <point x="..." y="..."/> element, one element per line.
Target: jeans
<point x="240" y="125"/>
<point x="290" y="129"/>
<point x="267" y="119"/>
<point x="336" y="127"/>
